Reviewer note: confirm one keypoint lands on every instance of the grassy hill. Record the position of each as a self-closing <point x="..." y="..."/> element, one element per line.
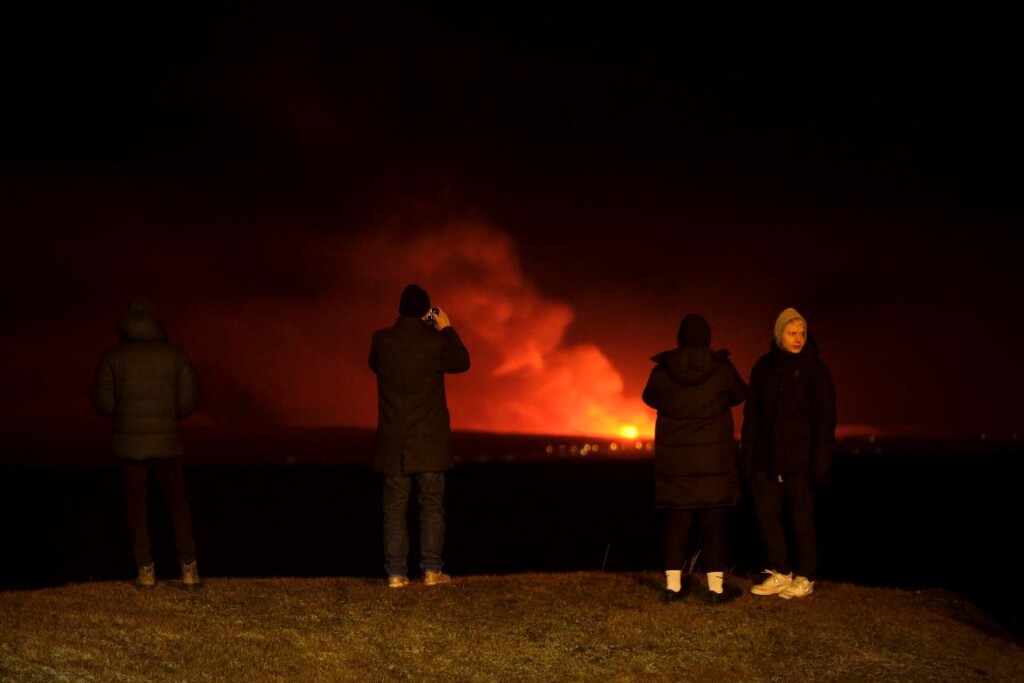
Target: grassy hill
<point x="522" y="627"/>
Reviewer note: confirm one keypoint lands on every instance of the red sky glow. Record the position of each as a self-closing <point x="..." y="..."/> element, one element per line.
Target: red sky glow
<point x="306" y="364"/>
<point x="566" y="186"/>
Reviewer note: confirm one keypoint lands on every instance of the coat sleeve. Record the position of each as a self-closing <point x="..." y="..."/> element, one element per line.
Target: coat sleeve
<point x="737" y="390"/>
<point x="751" y="423"/>
<point x="374" y="359"/>
<point x="824" y="425"/>
<point x="103" y="388"/>
<point x="650" y="395"/>
<point x="454" y="356"/>
<point x="188" y="391"/>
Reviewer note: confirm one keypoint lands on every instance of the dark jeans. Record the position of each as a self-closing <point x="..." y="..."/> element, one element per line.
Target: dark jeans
<point x="168" y="476"/>
<point x="397" y="490"/>
<point x="782" y="507"/>
<point x="712" y="538"/>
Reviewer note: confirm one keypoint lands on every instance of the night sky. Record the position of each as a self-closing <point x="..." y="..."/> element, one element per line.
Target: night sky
<point x="566" y="186"/>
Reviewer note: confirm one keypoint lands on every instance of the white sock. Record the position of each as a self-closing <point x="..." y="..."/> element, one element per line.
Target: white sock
<point x="674" y="580"/>
<point x="715" y="581"/>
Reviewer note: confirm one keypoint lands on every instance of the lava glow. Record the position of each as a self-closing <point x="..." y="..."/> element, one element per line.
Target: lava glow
<point x="526" y="377"/>
<point x="300" y="360"/>
<point x="629" y="432"/>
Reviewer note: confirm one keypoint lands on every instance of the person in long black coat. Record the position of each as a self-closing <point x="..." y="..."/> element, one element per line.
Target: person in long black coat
<point x="145" y="384"/>
<point x="789" y="425"/>
<point x="696" y="475"/>
<point x="413" y="439"/>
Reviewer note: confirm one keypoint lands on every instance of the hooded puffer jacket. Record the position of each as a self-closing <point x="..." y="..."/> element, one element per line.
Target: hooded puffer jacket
<point x="145" y="385"/>
<point x="789" y="422"/>
<point x="695" y="456"/>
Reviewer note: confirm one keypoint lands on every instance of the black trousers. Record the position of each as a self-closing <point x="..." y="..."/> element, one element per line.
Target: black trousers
<point x="712" y="541"/>
<point x="785" y="507"/>
<point x="168" y="477"/>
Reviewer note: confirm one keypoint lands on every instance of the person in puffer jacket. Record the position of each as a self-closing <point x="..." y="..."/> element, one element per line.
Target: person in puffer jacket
<point x="696" y="476"/>
<point x="789" y="426"/>
<point x="145" y="385"/>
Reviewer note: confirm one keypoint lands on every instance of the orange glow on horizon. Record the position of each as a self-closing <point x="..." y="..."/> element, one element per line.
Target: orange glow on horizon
<point x="629" y="431"/>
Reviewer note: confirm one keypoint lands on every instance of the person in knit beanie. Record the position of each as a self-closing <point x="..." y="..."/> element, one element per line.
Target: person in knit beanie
<point x="789" y="425"/>
<point x="696" y="479"/>
<point x="782" y="320"/>
<point x="414" y="302"/>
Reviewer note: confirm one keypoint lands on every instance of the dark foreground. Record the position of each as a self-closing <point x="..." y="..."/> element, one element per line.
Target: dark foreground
<point x="906" y="521"/>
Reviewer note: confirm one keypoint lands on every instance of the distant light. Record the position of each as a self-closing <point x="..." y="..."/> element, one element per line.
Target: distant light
<point x="550" y="449"/>
<point x="614" y="446"/>
<point x="629" y="431"/>
<point x="638" y="445"/>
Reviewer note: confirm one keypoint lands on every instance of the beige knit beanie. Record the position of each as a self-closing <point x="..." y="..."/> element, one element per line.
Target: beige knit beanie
<point x="786" y="317"/>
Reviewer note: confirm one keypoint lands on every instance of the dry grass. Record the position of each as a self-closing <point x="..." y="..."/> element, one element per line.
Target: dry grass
<point x="525" y="627"/>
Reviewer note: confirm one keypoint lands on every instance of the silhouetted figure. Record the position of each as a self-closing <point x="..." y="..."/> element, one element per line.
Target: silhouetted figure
<point x="410" y="360"/>
<point x="145" y="385"/>
<point x="696" y="475"/>
<point x="789" y="425"/>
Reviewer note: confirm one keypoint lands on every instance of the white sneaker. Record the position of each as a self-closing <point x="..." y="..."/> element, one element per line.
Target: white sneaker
<point x="800" y="587"/>
<point x="774" y="584"/>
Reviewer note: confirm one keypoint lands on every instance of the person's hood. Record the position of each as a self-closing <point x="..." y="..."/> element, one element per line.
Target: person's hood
<point x="694" y="331"/>
<point x="140" y="324"/>
<point x="691" y="365"/>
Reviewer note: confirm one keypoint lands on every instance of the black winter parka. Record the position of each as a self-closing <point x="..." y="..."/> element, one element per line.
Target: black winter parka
<point x="410" y="360"/>
<point x="695" y="456"/>
<point x="789" y="421"/>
